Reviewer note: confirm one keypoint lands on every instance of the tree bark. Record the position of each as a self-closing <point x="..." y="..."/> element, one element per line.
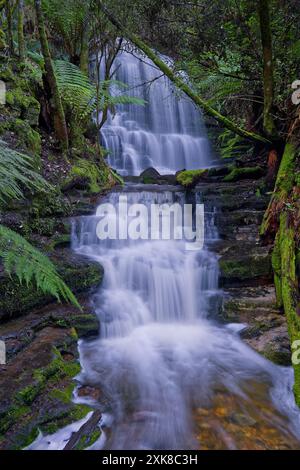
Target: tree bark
<point x="21" y="39"/>
<point x="10" y="39"/>
<point x="84" y="50"/>
<point x="179" y="82"/>
<point x="59" y="119"/>
<point x="268" y="72"/>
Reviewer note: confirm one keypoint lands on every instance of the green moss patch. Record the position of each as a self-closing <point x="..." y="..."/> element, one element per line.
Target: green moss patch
<point x="190" y="178"/>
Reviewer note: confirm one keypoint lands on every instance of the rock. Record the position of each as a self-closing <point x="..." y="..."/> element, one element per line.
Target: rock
<point x="39" y="396"/>
<point x="189" y="178"/>
<point x="266" y="328"/>
<point x="79" y="274"/>
<point x="150" y="173"/>
<point x="245" y="264"/>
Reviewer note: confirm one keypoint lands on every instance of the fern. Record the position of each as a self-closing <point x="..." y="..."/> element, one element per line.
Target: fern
<point x="79" y="95"/>
<point x="19" y="256"/>
<point x="232" y="145"/>
<point x="30" y="265"/>
<point x="67" y="22"/>
<point x="17" y="172"/>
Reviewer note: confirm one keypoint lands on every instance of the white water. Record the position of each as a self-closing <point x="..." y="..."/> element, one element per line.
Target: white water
<point x="159" y="355"/>
<point x="167" y="133"/>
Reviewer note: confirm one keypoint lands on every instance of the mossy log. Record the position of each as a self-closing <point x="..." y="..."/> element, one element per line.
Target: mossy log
<point x="179" y="82"/>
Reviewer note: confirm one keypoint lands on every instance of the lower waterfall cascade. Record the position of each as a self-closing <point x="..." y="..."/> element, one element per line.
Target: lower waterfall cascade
<point x="160" y="353"/>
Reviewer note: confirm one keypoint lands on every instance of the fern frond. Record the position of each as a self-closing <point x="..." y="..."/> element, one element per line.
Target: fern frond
<point x="80" y="95"/>
<point x="17" y="172"/>
<point x="20" y="258"/>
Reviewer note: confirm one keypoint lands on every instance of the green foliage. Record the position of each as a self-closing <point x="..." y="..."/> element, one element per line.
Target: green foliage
<point x="79" y="95"/>
<point x="232" y="145"/>
<point x="17" y="172"/>
<point x="30" y="265"/>
<point x="67" y="21"/>
<point x="237" y="174"/>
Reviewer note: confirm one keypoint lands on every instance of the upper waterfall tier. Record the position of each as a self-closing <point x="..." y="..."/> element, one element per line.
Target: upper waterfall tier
<point x="167" y="133"/>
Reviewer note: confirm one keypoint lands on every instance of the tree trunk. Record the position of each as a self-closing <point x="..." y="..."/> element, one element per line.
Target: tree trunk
<point x="84" y="50"/>
<point x="268" y="74"/>
<point x="21" y="39"/>
<point x="180" y="83"/>
<point x="10" y="39"/>
<point x="282" y="221"/>
<point x="59" y="119"/>
<point x="290" y="290"/>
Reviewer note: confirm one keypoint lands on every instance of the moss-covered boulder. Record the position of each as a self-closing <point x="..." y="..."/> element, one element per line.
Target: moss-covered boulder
<point x="189" y="178"/>
<point x="25" y="106"/>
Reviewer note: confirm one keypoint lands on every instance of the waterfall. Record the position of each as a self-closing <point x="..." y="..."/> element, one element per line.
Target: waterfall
<point x="160" y="353"/>
<point x="167" y="133"/>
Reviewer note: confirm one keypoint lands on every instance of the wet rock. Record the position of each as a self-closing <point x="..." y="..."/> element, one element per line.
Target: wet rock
<point x="36" y="388"/>
<point x="150" y="173"/>
<point x="79" y="274"/>
<point x="245" y="264"/>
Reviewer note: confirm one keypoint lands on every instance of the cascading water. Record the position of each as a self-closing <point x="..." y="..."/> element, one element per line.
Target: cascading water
<point x="167" y="133"/>
<point x="159" y="357"/>
<point x="162" y="358"/>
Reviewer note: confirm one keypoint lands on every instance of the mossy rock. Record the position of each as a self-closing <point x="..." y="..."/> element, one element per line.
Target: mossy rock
<point x="87" y="175"/>
<point x="189" y="178"/>
<point x="29" y="139"/>
<point x="16" y="299"/>
<point x="27" y="107"/>
<point x="52" y="387"/>
<point x="245" y="265"/>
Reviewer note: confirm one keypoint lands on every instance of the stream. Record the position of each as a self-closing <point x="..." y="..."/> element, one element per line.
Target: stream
<point x="171" y="375"/>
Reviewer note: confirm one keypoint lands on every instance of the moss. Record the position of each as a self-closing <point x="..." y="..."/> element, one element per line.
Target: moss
<point x="148" y="180"/>
<point x="245" y="267"/>
<point x="96" y="176"/>
<point x="276" y="265"/>
<point x="190" y="178"/>
<point x="237" y="174"/>
<point x="52" y="203"/>
<point x="27" y="107"/>
<point x="87" y="441"/>
<point x="16" y="299"/>
<point x="289" y="288"/>
<point x="29" y="394"/>
<point x="15" y="412"/>
<point x="24" y="439"/>
<point x="284" y="184"/>
<point x="28" y="137"/>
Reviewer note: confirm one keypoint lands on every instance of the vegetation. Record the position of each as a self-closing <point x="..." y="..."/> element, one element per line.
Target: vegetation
<point x="235" y="60"/>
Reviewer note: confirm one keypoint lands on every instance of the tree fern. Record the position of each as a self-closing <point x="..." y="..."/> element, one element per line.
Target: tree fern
<point x="67" y="21"/>
<point x="79" y="94"/>
<point x="16" y="173"/>
<point x="30" y="265"/>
